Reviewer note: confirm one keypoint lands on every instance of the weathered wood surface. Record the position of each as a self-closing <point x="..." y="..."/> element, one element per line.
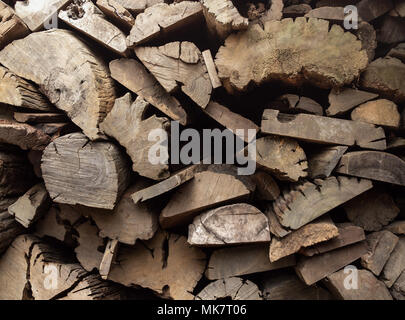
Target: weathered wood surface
<point x="29" y="207"/>
<point x="266" y="186"/>
<point x="253" y="56"/>
<point x="160" y="271"/>
<point x="318" y="231"/>
<point x="74" y="79"/>
<point x="231" y="120"/>
<point x="11" y="26"/>
<point x="138" y="6"/>
<point x="40" y="117"/>
<point x="373" y="165"/>
<point x="398" y="288"/>
<point x="380" y="246"/>
<point x="369" y="287"/>
<point x="163" y="19"/>
<point x="292" y="103"/>
<point x="133" y="75"/>
<point x="307" y="201"/>
<point x="86" y="17"/>
<point x="110" y="254"/>
<point x="313" y="269"/>
<point x="348" y="234"/>
<point x="275" y="12"/>
<point x="117" y="13"/>
<point x="395" y="264"/>
<point x="78" y="171"/>
<point x="371" y="9"/>
<point x="127" y="123"/>
<point x="333" y="14"/>
<point x="238" y="261"/>
<point x="22" y="135"/>
<point x="223" y="18"/>
<point x="282" y="157"/>
<point x="368" y="37"/>
<point x="296" y="10"/>
<point x="212" y="69"/>
<point x="342" y="101"/>
<point x="322" y="162"/>
<point x="397" y="227"/>
<point x="379" y="112"/>
<point x="372" y="210"/>
<point x="323" y="130"/>
<point x="212" y="188"/>
<point x="233" y="288"/>
<point x="274" y="225"/>
<point x="179" y="65"/>
<point x="233" y="224"/>
<point x="9" y="230"/>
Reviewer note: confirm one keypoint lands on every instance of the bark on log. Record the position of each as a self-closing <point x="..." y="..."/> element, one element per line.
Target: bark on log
<point x="147" y="87"/>
<point x="74" y="80"/>
<point x="9" y="230"/>
<point x="323" y="130"/>
<point x="379" y="112"/>
<point x="11" y="26"/>
<point x="241" y="62"/>
<point x="78" y="171"/>
<point x="22" y="135"/>
<point x="343" y="101"/>
<point x="234" y="224"/>
<point x="323" y="162"/>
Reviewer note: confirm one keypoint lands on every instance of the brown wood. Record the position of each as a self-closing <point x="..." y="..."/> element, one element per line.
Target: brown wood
<point x="266" y="187"/>
<point x="138" y="6"/>
<point x="372" y="9"/>
<point x="11" y="26"/>
<point x="9" y="230"/>
<point x="212" y="69"/>
<point x="333" y="14"/>
<point x="379" y="112"/>
<point x="292" y="103"/>
<point x="92" y="173"/>
<point x="109" y="256"/>
<point x="398" y="288"/>
<point x="40" y="117"/>
<point x="22" y="135"/>
<point x="322" y="162"/>
<point x="395" y="264"/>
<point x="296" y="10"/>
<point x="116" y="13"/>
<point x="316" y="129"/>
<point x="134" y="76"/>
<point x="368" y="37"/>
<point x="373" y="165"/>
<point x="396" y="227"/>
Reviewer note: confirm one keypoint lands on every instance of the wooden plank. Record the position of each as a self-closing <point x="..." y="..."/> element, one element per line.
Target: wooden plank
<point x="322" y="162"/>
<point x="318" y="129"/>
<point x="11" y="26"/>
<point x="212" y="69"/>
<point x="109" y="256"/>
<point x="342" y="101"/>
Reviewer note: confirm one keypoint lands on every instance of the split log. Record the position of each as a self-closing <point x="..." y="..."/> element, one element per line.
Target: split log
<point x="372" y="9"/>
<point x="209" y="189"/>
<point x="315" y="268"/>
<point x="35" y="13"/>
<point x="9" y="230"/>
<point x="40" y="117"/>
<point x="322" y="162"/>
<point x="398" y="52"/>
<point x="373" y="165"/>
<point x="274" y="225"/>
<point x="317" y="129"/>
<point x="282" y="157"/>
<point x="391" y="30"/>
<point x="163" y="19"/>
<point x="368" y="37"/>
<point x="230" y="120"/>
<point x="31" y="206"/>
<point x="238" y="261"/>
<point x="385" y="76"/>
<point x="266" y="188"/>
<point x="240" y="61"/>
<point x="117" y="13"/>
<point x="296" y="10"/>
<point x="78" y="171"/>
<point x="128" y="221"/>
<point x="343" y="101"/>
<point x="223" y="18"/>
<point x="138" y="6"/>
<point x="287" y="286"/>
<point x="234" y="224"/>
<point x="380" y="244"/>
<point x="109" y="256"/>
<point x="399" y="7"/>
<point x="396" y="227"/>
<point x="369" y="287"/>
<point x="85" y="17"/>
<point x="380" y="112"/>
<point x="22" y="135"/>
<point x="156" y="264"/>
<point x="372" y="210"/>
<point x="127" y="124"/>
<point x="179" y="65"/>
<point x="318" y="231"/>
<point x="6" y="202"/>
<point x="134" y="76"/>
<point x="306" y="201"/>
<point x="233" y="288"/>
<point x="74" y="79"/>
<point x="395" y="264"/>
<point x="333" y="14"/>
<point x="11" y="26"/>
<point x="398" y="288"/>
<point x="212" y="69"/>
<point x="292" y="103"/>
<point x="348" y="234"/>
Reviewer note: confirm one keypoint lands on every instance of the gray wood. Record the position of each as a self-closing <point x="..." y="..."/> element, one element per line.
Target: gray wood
<point x="110" y="253"/>
<point x="292" y="103"/>
<point x="343" y="100"/>
<point x="266" y="186"/>
<point x="212" y="69"/>
<point x="395" y="264"/>
<point x="321" y="163"/>
<point x="9" y="230"/>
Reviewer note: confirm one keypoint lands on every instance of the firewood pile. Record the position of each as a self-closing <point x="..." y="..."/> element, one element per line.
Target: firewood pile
<point x="85" y="213"/>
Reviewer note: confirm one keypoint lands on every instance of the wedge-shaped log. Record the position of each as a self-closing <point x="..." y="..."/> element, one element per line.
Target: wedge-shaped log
<point x="78" y="171"/>
<point x="241" y="260"/>
<point x="22" y="135"/>
<point x="110" y="254"/>
<point x="234" y="224"/>
<point x="85" y="17"/>
<point x="9" y="230"/>
<point x="223" y="18"/>
<point x="133" y="75"/>
<point x="397" y="227"/>
<point x="395" y="264"/>
<point x="307" y="201"/>
<point x="290" y="51"/>
<point x="160" y="271"/>
<point x="126" y="123"/>
<point x="381" y="112"/>
<point x="179" y="65"/>
<point x="74" y="79"/>
<point x="266" y="187"/>
<point x="26" y="117"/>
<point x="163" y="19"/>
<point x="323" y="130"/>
<point x="342" y="101"/>
<point x="398" y="288"/>
<point x="373" y="165"/>
<point x="231" y="288"/>
<point x="212" y="188"/>
<point x="11" y="26"/>
<point x="321" y="163"/>
<point x="369" y="287"/>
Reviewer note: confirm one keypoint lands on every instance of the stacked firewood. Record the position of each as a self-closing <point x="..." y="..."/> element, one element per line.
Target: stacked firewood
<point x="84" y="212"/>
